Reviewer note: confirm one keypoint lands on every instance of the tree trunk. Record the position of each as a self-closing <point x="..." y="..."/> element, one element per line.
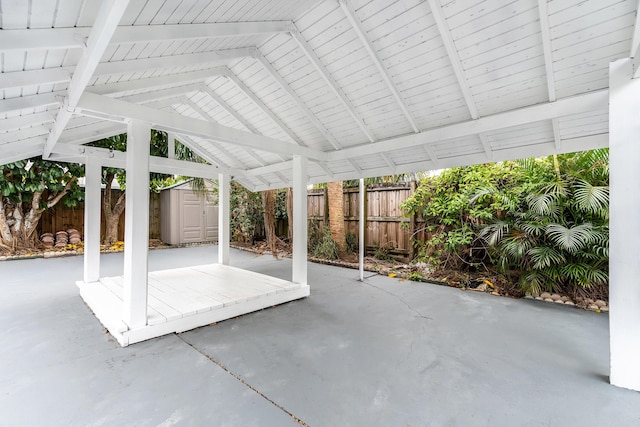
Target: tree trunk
<point x="290" y="214"/>
<point x="336" y="215"/>
<point x="111" y="212"/>
<point x="269" y="204"/>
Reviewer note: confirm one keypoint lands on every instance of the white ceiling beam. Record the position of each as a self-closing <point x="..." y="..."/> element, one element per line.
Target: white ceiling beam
<point x="214" y="58"/>
<point x="389" y="162"/>
<point x="6" y="157"/>
<point x="156" y="164"/>
<point x="92" y="132"/>
<point x="172" y="122"/>
<point x="634" y="51"/>
<point x="17" y="79"/>
<point x="31" y="101"/>
<point x="166" y="102"/>
<point x="328" y="78"/>
<point x="454" y="58"/>
<point x="545" y="33"/>
<point x="109" y="15"/>
<point x="226" y="107"/>
<point x="297" y="101"/>
<point x="486" y="145"/>
<point x="555" y="123"/>
<point x="40" y="131"/>
<point x="113" y="89"/>
<point x="70" y="38"/>
<point x="593" y="101"/>
<point x="18" y="122"/>
<point x="161" y="93"/>
<point x="63" y="74"/>
<point x="207" y="117"/>
<point x="353" y="19"/>
<point x="43" y="39"/>
<point x="266" y="110"/>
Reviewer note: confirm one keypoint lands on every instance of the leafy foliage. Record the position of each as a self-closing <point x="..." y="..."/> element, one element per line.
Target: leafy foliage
<point x="247" y="213"/>
<point x="27" y="189"/>
<point x="543" y="220"/>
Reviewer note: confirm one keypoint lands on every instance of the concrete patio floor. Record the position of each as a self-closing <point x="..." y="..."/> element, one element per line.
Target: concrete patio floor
<point x="378" y="353"/>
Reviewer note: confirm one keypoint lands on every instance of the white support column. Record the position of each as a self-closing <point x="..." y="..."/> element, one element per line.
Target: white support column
<point x="92" y="203"/>
<point x="171" y="145"/>
<point x="624" y="268"/>
<point x="299" y="273"/>
<point x="223" y="218"/>
<point x="136" y="232"/>
<point x="361" y="231"/>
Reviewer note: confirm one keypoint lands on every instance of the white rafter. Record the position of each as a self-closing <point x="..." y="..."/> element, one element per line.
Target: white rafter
<point x="454" y="57"/>
<point x="13" y="123"/>
<point x="357" y="27"/>
<point x="17" y="79"/>
<point x="70" y="38"/>
<point x="106" y="22"/>
<point x="266" y="110"/>
<point x="556" y="133"/>
<point x="322" y="69"/>
<point x="118" y="110"/>
<point x="161" y="93"/>
<point x="206" y="116"/>
<point x="635" y="44"/>
<point x="296" y="100"/>
<point x="226" y="107"/>
<point x="486" y="145"/>
<point x="31" y="101"/>
<point x="113" y="89"/>
<point x="635" y="41"/>
<point x="583" y="103"/>
<point x="546" y="47"/>
<point x="63" y="74"/>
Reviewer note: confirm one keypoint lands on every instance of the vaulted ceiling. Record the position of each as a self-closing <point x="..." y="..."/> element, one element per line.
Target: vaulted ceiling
<point x="361" y="87"/>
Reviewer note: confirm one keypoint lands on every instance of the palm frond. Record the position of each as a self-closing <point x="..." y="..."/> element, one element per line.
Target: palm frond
<point x="571" y="239"/>
<point x="590" y="198"/>
<point x="545" y="256"/>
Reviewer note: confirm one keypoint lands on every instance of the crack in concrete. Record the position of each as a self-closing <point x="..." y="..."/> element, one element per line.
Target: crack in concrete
<point x="242" y="381"/>
<point x="399" y="298"/>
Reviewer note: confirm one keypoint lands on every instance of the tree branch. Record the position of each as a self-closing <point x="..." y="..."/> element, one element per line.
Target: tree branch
<point x="53" y="201"/>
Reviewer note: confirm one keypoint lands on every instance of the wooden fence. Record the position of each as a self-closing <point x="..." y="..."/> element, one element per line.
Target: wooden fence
<point x="385" y="225"/>
<point x="61" y="217"/>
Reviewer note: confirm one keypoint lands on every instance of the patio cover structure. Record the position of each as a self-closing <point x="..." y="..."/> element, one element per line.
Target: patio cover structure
<point x="286" y="93"/>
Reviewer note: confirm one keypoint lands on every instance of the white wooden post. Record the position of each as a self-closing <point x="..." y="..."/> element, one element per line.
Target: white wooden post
<point x="299" y="273"/>
<point x="624" y="227"/>
<point x="361" y="231"/>
<point x="171" y="145"/>
<point x="92" y="204"/>
<point x="136" y="234"/>
<point x="223" y="218"/>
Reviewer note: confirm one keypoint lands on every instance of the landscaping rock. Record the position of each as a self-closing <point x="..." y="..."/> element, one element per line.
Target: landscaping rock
<point x="569" y="303"/>
<point x="559" y="301"/>
<point x="593" y="307"/>
<point x="555" y="297"/>
<point x="545" y="295"/>
<point x="540" y="298"/>
<point x="548" y="300"/>
<point x="600" y="303"/>
<point x="604" y="309"/>
<point x="565" y="299"/>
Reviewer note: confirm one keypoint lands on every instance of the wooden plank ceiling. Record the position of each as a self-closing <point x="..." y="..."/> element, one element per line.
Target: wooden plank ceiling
<point x="371" y="87"/>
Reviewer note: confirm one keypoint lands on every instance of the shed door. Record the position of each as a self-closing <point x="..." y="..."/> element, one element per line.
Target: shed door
<point x="192" y="218"/>
<point x="211" y="222"/>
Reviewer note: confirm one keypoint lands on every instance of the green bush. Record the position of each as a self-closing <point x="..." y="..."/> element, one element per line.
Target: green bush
<point x="325" y="247"/>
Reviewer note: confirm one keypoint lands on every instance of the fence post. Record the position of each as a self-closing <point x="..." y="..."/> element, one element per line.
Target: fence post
<point x="412" y="222"/>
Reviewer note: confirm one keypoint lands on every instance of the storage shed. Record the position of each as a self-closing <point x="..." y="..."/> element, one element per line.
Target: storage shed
<point x="186" y="216"/>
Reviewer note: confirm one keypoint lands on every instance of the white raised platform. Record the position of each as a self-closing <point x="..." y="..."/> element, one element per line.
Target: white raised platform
<point x="187" y="298"/>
